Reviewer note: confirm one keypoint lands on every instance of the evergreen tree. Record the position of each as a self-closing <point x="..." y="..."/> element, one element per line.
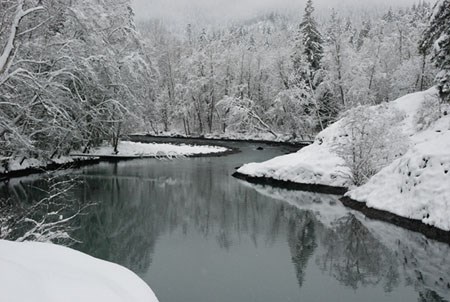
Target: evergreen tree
<point x="437" y="37"/>
<point x="308" y="42"/>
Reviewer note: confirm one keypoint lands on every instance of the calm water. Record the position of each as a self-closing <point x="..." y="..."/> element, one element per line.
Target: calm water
<point x="194" y="234"/>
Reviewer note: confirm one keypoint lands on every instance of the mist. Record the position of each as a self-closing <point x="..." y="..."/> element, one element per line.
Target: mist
<point x="219" y="11"/>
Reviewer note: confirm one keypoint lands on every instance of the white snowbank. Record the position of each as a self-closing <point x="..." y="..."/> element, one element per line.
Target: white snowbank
<point x="133" y="149"/>
<point x="42" y="272"/>
<point x="318" y="163"/>
<point x="313" y="164"/>
<point x="417" y="185"/>
<point x="126" y="149"/>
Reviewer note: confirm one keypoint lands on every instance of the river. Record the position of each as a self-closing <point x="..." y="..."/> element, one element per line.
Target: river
<point x="195" y="234"/>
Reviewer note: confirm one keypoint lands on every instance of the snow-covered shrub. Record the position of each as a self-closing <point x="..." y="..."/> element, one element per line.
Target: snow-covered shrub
<point x="371" y="139"/>
<point x="429" y="112"/>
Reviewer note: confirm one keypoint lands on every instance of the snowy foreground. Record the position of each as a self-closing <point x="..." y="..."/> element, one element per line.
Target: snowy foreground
<point x="416" y="185"/>
<point x="43" y="272"/>
<point x="132" y="149"/>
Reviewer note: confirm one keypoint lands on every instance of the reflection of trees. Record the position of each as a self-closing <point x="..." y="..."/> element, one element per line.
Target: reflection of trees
<point x="42" y="212"/>
<point x="355" y="257"/>
<point x="302" y="241"/>
<point x="123" y="227"/>
<point x="430" y="296"/>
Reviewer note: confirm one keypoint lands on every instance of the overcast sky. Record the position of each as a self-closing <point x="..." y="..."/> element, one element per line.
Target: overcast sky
<point x="220" y="10"/>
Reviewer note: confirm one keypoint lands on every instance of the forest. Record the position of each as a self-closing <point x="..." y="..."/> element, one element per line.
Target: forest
<point x="75" y="74"/>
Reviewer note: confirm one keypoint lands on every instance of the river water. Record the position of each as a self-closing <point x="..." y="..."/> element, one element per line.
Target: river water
<point x="194" y="234"/>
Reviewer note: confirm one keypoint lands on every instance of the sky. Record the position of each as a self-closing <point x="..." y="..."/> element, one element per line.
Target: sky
<point x="179" y="11"/>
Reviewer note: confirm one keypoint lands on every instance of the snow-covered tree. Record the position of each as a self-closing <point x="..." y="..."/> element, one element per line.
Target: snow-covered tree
<point x="308" y="41"/>
<point x="437" y="37"/>
<point x="370" y="140"/>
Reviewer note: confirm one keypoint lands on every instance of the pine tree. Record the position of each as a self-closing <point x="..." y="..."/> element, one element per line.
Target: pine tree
<point x="308" y="42"/>
<point x="437" y="38"/>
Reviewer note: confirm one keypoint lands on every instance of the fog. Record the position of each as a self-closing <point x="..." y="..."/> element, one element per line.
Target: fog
<point x="218" y="11"/>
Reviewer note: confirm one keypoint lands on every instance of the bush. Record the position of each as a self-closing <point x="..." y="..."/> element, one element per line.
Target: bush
<point x="371" y="140"/>
<point x="429" y="112"/>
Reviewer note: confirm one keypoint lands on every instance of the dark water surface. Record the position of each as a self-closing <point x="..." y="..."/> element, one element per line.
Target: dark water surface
<point x="195" y="234"/>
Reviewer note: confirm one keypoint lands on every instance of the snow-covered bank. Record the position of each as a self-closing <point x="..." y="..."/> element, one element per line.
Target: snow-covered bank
<point x="43" y="272"/>
<point x="314" y="164"/>
<point x="19" y="166"/>
<point x="417" y="185"/>
<point x="414" y="184"/>
<point x="135" y="149"/>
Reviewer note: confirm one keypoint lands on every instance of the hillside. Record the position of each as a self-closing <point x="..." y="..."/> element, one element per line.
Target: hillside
<point x="405" y="145"/>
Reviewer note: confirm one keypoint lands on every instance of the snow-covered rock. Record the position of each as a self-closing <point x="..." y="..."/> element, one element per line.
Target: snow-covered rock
<point x="43" y="272"/>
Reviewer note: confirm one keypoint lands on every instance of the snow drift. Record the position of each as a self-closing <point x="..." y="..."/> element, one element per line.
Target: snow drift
<point x="43" y="272"/>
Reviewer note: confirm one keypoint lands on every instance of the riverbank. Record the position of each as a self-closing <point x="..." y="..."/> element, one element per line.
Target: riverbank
<point x="290" y="185"/>
<point x="12" y="168"/>
<point x="410" y="188"/>
<point x="217" y="141"/>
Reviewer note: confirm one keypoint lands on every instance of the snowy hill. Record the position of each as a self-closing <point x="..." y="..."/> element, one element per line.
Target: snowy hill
<point x="417" y="185"/>
<point x="412" y="177"/>
<point x="43" y="272"/>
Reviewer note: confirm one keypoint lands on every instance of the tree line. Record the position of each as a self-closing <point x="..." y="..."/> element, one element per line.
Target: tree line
<point x="76" y="73"/>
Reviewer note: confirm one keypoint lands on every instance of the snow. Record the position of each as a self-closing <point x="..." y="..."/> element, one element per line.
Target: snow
<point x="318" y="163"/>
<point x="133" y="149"/>
<point x="126" y="149"/>
<point x="416" y="185"/>
<point x="43" y="272"/>
<point x="313" y="164"/>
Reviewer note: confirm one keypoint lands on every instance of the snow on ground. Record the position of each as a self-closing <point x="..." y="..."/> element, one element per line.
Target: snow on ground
<point x="126" y="149"/>
<point x="318" y="163"/>
<point x="133" y="149"/>
<point x="43" y="272"/>
<point x="314" y="164"/>
<point x="416" y="185"/>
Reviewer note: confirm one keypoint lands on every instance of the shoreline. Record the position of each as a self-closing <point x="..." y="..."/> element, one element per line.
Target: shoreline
<point x="290" y="185"/>
<point x="93" y="159"/>
<point x="4" y="177"/>
<point x="414" y="225"/>
<point x="204" y="140"/>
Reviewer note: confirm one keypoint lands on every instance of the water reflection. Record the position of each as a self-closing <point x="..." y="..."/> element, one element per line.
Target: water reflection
<point x="196" y="234"/>
<point x="353" y="256"/>
<point x="302" y="241"/>
<point x="363" y="252"/>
